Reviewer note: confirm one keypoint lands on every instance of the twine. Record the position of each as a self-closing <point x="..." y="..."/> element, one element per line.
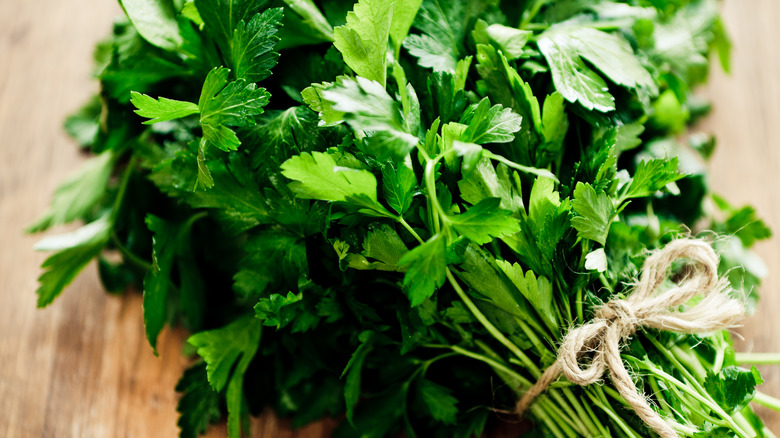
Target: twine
<point x="645" y="307"/>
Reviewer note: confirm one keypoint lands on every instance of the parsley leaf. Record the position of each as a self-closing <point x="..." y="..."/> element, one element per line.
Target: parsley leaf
<point x="565" y="47"/>
<point x="199" y="405"/>
<point x="317" y="176"/>
<point x="488" y="124"/>
<point x="353" y="371"/>
<point x="170" y="243"/>
<point x="78" y="195"/>
<point x="155" y="20"/>
<point x="74" y="251"/>
<point x="438" y="400"/>
<point x="484" y="221"/>
<point x="161" y="109"/>
<point x="362" y="41"/>
<point x="252" y="46"/>
<point x="595" y="213"/>
<point x="398" y="183"/>
<point x="733" y="387"/>
<point x="426" y="266"/>
<point x="225" y="104"/>
<point x="367" y="107"/>
<point x="228" y="351"/>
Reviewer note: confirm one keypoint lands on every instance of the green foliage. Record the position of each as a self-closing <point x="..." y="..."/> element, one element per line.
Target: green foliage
<point x="227" y="352"/>
<point x="400" y="224"/>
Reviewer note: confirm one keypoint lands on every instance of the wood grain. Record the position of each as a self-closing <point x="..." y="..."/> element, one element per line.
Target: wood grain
<point x="82" y="368"/>
<point x="746" y="166"/>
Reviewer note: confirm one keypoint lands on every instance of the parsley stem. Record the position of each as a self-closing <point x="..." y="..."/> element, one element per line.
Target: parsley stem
<point x="120" y="195"/>
<point x="613" y="415"/>
<point x="409" y="228"/>
<point x="701" y="398"/>
<point x="585" y="418"/>
<point x="490" y="327"/>
<point x="433" y="200"/>
<point x="698" y="391"/>
<point x="758" y="358"/>
<point x="129" y="255"/>
<point x="530" y="13"/>
<point x="767" y="401"/>
<point x="564" y="422"/>
<point x="493" y="364"/>
<point x="525" y="169"/>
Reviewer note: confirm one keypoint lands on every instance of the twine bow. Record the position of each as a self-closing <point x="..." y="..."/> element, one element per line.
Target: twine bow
<point x="645" y="307"/>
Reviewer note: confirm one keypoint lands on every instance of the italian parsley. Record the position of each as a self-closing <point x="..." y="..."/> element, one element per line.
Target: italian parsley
<point x="395" y="210"/>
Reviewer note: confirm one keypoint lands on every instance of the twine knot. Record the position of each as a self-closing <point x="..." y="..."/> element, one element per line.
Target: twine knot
<point x="646" y="306"/>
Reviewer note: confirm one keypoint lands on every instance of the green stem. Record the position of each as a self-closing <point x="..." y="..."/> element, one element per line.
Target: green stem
<point x="409" y="228"/>
<point x="689" y="360"/>
<point x="584" y="416"/>
<point x="563" y="421"/>
<point x="699" y="393"/>
<point x="613" y="415"/>
<point x="530" y="13"/>
<point x="705" y="400"/>
<point x="120" y="196"/>
<point x="525" y="169"/>
<point x="544" y="416"/>
<point x="758" y="358"/>
<point x="659" y="396"/>
<point x="129" y="255"/>
<point x="767" y="401"/>
<point x="492" y="363"/>
<point x="433" y="199"/>
<point x="490" y="327"/>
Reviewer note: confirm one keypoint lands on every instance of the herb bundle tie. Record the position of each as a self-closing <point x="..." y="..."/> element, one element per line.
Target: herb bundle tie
<point x="645" y="307"/>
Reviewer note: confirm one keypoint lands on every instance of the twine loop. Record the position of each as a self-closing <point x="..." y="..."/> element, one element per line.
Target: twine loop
<point x="647" y="306"/>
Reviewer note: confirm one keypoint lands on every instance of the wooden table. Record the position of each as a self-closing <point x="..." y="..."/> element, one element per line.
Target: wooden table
<point x="82" y="368"/>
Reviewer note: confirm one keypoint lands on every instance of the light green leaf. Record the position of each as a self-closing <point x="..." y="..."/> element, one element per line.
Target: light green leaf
<point x="555" y="124"/>
<point x="317" y="176"/>
<point x="162" y="109"/>
<point x="538" y="291"/>
<point x="652" y="176"/>
<point x="489" y="182"/>
<point x="233" y="104"/>
<point x="155" y="20"/>
<point x="363" y="40"/>
<point x="431" y="53"/>
<point x="565" y="47"/>
<point x="573" y="79"/>
<point x="511" y="41"/>
<point x="471" y="153"/>
<point x="485" y="221"/>
<point x="190" y="11"/>
<point x="404" y="12"/>
<point x="225" y="104"/>
<point x="595" y="213"/>
<point x="488" y="124"/>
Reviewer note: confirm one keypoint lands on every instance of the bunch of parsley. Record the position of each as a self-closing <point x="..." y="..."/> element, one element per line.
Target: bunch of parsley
<point x="394" y="210"/>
